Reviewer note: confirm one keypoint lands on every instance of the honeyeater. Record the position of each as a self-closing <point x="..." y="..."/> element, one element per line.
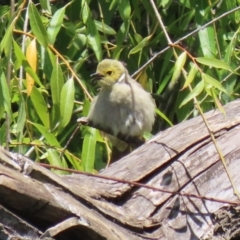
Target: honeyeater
<point x="122" y="105"/>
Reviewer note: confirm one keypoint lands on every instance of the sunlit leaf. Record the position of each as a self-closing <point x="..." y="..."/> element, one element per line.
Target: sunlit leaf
<point x="85" y="12"/>
<point x="3" y="133"/>
<point x="163" y="116"/>
<point x="178" y="67"/>
<point x="213" y="62"/>
<point x="1" y="99"/>
<point x="140" y="46"/>
<point x="50" y="138"/>
<point x="121" y="35"/>
<point x="21" y="120"/>
<point x="113" y="4"/>
<point x="76" y="163"/>
<point x="124" y="9"/>
<point x="88" y="151"/>
<point x="213" y="82"/>
<point x="22" y="61"/>
<point x="46" y="5"/>
<point x="217" y="102"/>
<point x="55" y="160"/>
<point x="5" y="94"/>
<point x="55" y="25"/>
<point x="94" y="38"/>
<point x="56" y="83"/>
<point x="40" y="106"/>
<point x="31" y="56"/>
<point x="102" y="27"/>
<point x="194" y="93"/>
<point x="66" y="103"/>
<point x="190" y="76"/>
<point x="207" y="41"/>
<point x="36" y="25"/>
<point x="6" y="42"/>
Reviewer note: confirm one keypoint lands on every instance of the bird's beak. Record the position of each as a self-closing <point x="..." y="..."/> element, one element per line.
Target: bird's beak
<point x="96" y="76"/>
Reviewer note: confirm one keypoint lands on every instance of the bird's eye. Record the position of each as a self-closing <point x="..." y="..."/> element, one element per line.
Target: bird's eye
<point x="109" y="73"/>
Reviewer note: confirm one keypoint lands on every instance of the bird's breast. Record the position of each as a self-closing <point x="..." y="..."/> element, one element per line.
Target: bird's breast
<point x="126" y="109"/>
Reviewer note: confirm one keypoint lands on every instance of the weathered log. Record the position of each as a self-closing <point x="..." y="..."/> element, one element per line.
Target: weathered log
<point x="190" y="198"/>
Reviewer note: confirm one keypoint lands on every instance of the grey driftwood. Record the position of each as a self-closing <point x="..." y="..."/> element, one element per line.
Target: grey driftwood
<point x="182" y="161"/>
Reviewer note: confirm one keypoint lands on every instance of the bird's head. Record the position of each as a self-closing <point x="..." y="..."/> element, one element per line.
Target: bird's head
<point x="109" y="72"/>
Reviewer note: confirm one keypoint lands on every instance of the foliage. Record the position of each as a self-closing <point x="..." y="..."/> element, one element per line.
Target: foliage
<point x="50" y="48"/>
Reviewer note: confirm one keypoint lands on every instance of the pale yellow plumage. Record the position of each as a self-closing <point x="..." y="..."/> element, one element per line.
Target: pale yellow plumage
<point x="122" y="105"/>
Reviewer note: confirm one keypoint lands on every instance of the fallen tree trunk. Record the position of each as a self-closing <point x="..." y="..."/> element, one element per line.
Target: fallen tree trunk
<point x="188" y="193"/>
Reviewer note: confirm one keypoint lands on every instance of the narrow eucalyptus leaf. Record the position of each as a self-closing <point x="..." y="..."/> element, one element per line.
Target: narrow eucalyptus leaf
<point x="66" y="103"/>
<point x="178" y="67"/>
<point x="88" y="151"/>
<point x="37" y="26"/>
<point x="194" y="93"/>
<point x="213" y="62"/>
<point x="40" y="106"/>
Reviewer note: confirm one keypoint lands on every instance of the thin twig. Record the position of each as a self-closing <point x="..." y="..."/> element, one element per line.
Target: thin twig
<point x="137" y="184"/>
<point x="70" y="139"/>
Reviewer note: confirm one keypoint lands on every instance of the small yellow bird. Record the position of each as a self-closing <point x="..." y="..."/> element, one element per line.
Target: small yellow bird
<point x="122" y="105"/>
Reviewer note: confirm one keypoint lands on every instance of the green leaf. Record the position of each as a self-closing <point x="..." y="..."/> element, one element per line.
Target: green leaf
<point x="55" y="25"/>
<point x="22" y="61"/>
<point x="56" y="82"/>
<point x="213" y="62"/>
<point x="74" y="161"/>
<point x="190" y="76"/>
<point x="163" y="116"/>
<point x="178" y="67"/>
<point x="31" y="72"/>
<point x="194" y="93"/>
<point x="1" y="99"/>
<point x="4" y="10"/>
<point x="40" y="106"/>
<point x="66" y="103"/>
<point x="121" y="35"/>
<point x="5" y="94"/>
<point x="21" y="115"/>
<point x="207" y="41"/>
<point x="50" y="138"/>
<point x="88" y="151"/>
<point x="124" y="9"/>
<point x="217" y="102"/>
<point x="113" y="4"/>
<point x="94" y="38"/>
<point x="20" y="57"/>
<point x="164" y="82"/>
<point x="37" y="26"/>
<point x="6" y="42"/>
<point x="3" y="133"/>
<point x="86" y="107"/>
<point x="54" y="158"/>
<point x="85" y="11"/>
<point x="102" y="27"/>
<point x="213" y="82"/>
<point x="140" y="46"/>
<point x="45" y="4"/>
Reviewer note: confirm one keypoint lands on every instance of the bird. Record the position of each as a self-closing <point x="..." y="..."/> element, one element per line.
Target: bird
<point x="122" y="106"/>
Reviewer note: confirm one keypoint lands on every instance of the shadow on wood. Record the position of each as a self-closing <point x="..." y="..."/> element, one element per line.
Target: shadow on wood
<point x="182" y="161"/>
